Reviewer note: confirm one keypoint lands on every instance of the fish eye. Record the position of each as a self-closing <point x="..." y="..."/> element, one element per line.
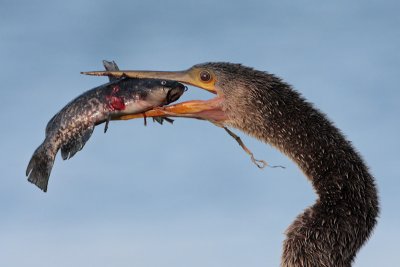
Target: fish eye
<point x="163" y="82"/>
<point x="205" y="76"/>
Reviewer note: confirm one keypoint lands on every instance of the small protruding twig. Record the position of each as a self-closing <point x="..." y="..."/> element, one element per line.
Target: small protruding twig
<point x="259" y="163"/>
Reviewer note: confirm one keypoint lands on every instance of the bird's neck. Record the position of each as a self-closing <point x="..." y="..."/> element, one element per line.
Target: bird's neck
<point x="347" y="202"/>
<point x="278" y="115"/>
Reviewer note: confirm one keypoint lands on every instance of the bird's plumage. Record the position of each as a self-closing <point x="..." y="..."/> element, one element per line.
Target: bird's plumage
<point x="330" y="232"/>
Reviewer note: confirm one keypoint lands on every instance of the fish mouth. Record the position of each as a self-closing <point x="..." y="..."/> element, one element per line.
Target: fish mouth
<point x="175" y="93"/>
<point x="211" y="110"/>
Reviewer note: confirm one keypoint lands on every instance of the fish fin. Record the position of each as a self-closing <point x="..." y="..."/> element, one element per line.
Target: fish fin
<point x="111" y="66"/>
<point x="107" y="122"/>
<point x="40" y="165"/>
<point x="50" y="124"/>
<point x="69" y="149"/>
<point x="169" y="120"/>
<point x="160" y="120"/>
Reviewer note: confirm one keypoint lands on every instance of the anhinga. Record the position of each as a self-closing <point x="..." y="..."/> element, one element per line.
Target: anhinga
<point x="330" y="232"/>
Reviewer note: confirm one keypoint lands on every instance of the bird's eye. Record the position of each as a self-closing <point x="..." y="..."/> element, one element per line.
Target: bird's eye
<point x="205" y="76"/>
<point x="163" y="82"/>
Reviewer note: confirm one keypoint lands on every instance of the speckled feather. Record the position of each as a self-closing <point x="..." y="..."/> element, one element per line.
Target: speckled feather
<point x="330" y="232"/>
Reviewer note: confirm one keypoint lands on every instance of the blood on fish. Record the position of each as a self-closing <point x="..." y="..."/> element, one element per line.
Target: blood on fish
<point x="115" y="103"/>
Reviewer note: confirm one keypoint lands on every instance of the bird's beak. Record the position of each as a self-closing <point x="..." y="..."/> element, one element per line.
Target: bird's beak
<point x="198" y="109"/>
<point x="188" y="77"/>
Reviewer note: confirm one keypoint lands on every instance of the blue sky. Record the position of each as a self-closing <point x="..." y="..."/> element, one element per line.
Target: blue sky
<point x="186" y="194"/>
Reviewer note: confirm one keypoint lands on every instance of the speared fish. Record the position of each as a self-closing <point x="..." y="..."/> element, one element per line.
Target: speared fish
<point x="73" y="125"/>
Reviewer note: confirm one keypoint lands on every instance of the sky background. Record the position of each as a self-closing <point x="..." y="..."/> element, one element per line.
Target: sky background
<point x="186" y="194"/>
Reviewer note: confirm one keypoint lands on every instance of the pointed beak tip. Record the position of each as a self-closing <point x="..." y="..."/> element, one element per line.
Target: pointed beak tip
<point x="97" y="73"/>
<point x="87" y="73"/>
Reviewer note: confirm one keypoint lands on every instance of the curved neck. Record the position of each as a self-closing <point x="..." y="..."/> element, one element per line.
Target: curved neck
<point x="347" y="207"/>
<point x="278" y="115"/>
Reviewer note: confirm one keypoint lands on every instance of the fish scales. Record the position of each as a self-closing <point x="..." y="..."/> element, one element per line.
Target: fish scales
<point x="73" y="125"/>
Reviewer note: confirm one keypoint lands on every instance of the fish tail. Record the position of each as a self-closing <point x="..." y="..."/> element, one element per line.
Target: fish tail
<point x="40" y="165"/>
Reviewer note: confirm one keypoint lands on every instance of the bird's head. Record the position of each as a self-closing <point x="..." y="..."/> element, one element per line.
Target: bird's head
<point x="233" y="84"/>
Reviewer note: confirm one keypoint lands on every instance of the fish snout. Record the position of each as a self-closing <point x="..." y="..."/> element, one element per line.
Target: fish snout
<point x="175" y="92"/>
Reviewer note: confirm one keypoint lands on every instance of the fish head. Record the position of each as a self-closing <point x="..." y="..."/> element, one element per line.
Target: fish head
<point x="145" y="94"/>
<point x="163" y="92"/>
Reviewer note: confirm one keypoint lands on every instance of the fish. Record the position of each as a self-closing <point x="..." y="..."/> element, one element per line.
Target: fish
<point x="70" y="128"/>
<point x="112" y="66"/>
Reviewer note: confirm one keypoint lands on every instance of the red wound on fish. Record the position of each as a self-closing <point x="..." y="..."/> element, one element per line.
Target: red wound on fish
<point x="115" y="103"/>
